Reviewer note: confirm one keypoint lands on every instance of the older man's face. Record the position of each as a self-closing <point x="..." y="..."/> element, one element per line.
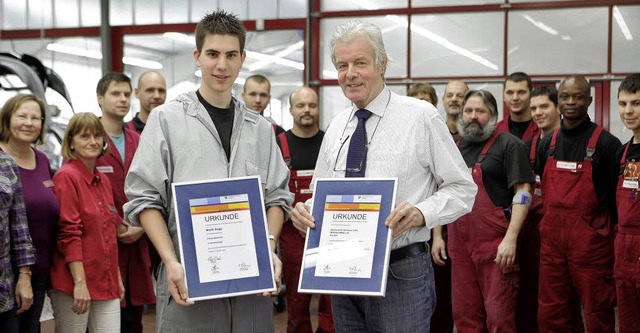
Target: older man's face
<point x="359" y="76"/>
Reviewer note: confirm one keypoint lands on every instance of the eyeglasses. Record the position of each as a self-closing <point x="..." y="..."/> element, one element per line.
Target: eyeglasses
<point x="364" y="157"/>
<point x="24" y="118"/>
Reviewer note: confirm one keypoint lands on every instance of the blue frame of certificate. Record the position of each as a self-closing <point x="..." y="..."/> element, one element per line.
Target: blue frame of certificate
<point x="376" y="284"/>
<point x="182" y="194"/>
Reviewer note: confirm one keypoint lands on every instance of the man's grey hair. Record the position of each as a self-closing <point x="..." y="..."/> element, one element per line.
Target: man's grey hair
<point x="353" y="29"/>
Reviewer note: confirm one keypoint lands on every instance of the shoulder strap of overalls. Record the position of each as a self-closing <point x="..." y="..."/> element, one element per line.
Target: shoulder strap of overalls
<point x="487" y="145"/>
<point x="593" y="140"/>
<point x="284" y="147"/>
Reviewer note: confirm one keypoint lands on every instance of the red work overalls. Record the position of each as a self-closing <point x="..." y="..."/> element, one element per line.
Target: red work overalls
<point x="576" y="249"/>
<point x="627" y="249"/>
<point x="292" y="247"/>
<point x="484" y="296"/>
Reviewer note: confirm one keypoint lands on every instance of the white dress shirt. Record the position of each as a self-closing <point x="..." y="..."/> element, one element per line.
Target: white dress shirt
<point x="407" y="139"/>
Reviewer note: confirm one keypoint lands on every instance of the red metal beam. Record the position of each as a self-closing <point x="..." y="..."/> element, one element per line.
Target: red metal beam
<point x="51" y="33"/>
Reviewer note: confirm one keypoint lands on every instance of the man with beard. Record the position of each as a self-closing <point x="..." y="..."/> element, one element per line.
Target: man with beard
<point x="579" y="175"/>
<point x="300" y="146"/>
<point x="517" y="88"/>
<point x="452" y="101"/>
<point x="482" y="244"/>
<point x="442" y="321"/>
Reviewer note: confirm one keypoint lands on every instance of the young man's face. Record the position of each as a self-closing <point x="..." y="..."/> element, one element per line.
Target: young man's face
<point x="256" y="95"/>
<point x="516" y="95"/>
<point x="220" y="61"/>
<point x="629" y="109"/>
<point x="544" y="113"/>
<point x="116" y="100"/>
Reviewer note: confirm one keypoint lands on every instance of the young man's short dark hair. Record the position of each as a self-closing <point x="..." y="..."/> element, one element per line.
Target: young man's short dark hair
<point x="105" y="81"/>
<point x="630" y="84"/>
<point x="548" y="91"/>
<point x="519" y="77"/>
<point x="220" y="23"/>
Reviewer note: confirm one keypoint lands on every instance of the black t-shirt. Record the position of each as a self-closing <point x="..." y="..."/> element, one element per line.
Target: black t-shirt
<point x="304" y="151"/>
<point x="518" y="128"/>
<point x="506" y="164"/>
<point x="138" y="124"/>
<point x="223" y="121"/>
<point x="571" y="145"/>
<point x="528" y="144"/>
<point x="633" y="155"/>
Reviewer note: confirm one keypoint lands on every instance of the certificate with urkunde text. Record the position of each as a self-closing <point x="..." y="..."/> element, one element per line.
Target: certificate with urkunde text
<point x="348" y="250"/>
<point x="223" y="237"/>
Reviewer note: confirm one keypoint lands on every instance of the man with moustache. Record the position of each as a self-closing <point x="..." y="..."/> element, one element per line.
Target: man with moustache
<point x="151" y="91"/>
<point x="454" y="92"/>
<point x="579" y="174"/>
<point x="114" y="98"/>
<point x="517" y="88"/>
<point x="300" y="147"/>
<point x="387" y="135"/>
<point x="482" y="244"/>
<point x="442" y="320"/>
<point x="627" y="243"/>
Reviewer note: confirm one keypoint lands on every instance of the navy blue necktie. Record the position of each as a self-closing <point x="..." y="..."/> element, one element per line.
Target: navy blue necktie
<point x="357" y="155"/>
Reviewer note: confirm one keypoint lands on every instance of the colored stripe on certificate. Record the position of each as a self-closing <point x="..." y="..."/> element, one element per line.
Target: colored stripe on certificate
<point x="351" y="207"/>
<point x="221" y="208"/>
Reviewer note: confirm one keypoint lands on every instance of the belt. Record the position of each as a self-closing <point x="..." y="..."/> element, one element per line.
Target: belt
<point x="408" y="251"/>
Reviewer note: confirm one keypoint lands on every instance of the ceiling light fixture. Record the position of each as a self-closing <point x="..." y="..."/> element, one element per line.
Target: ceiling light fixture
<point x="260" y="64"/>
<point x="622" y="24"/>
<point x="180" y="37"/>
<point x="540" y="25"/>
<point x="97" y="55"/>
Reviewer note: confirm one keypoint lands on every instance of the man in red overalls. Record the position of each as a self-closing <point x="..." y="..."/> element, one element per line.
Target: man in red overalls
<point x="300" y="147"/>
<point x="517" y="88"/>
<point x="114" y="98"/>
<point x="482" y="244"/>
<point x="579" y="173"/>
<point x="627" y="244"/>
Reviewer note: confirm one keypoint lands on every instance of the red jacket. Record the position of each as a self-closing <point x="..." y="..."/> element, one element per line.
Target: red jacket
<point x="133" y="258"/>
<point x="86" y="231"/>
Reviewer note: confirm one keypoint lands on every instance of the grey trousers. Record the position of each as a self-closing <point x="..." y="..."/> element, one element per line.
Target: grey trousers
<point x="250" y="313"/>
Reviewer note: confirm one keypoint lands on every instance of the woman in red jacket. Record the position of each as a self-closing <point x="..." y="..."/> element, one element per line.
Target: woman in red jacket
<point x="86" y="284"/>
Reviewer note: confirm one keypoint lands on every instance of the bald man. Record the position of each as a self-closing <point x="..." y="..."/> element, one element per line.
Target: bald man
<point x="151" y="91"/>
<point x="579" y="175"/>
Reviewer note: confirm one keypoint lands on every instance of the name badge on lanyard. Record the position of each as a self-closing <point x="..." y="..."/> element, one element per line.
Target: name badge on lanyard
<point x="566" y="165"/>
<point x="633" y="184"/>
<point x="48" y="183"/>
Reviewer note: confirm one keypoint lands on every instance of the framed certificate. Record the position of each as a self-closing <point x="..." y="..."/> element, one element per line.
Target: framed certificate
<point x="348" y="250"/>
<point x="224" y="244"/>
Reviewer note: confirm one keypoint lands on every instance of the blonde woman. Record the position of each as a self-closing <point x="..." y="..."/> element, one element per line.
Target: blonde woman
<point x="86" y="283"/>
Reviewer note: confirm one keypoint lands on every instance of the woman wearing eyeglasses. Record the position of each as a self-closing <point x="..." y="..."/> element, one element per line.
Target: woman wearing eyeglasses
<point x="23" y="125"/>
<point x="86" y="284"/>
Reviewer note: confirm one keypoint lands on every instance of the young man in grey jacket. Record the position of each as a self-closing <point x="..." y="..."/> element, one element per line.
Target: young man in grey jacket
<point x="206" y="134"/>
